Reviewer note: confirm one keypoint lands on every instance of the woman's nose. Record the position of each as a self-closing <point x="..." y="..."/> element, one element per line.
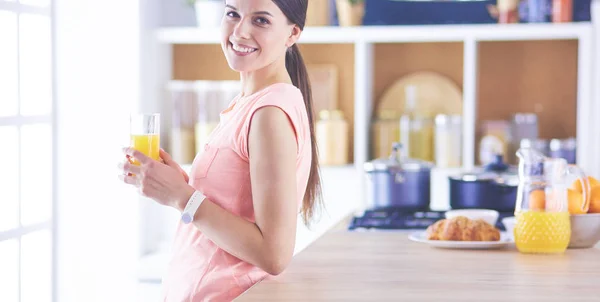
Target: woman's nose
<point x="242" y="29"/>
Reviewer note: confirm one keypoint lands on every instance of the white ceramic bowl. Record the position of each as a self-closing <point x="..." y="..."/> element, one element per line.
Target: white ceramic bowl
<point x="509" y="225"/>
<point x="585" y="230"/>
<point x="489" y="216"/>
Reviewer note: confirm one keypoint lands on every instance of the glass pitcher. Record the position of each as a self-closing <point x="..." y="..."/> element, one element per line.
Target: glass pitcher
<point x="542" y="210"/>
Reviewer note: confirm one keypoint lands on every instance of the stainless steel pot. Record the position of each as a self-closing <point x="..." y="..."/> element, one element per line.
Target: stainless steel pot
<point x="399" y="182"/>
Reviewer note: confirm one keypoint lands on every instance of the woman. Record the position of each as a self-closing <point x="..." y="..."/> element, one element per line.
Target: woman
<point x="258" y="170"/>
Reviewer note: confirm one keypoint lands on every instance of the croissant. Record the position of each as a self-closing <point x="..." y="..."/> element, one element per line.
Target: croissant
<point x="462" y="229"/>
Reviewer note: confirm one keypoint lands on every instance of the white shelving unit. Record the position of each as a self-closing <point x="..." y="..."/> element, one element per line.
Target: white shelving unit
<point x="402" y="34"/>
<point x="364" y="38"/>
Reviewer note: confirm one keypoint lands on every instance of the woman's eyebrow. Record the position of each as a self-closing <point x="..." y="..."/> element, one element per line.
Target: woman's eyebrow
<point x="255" y="13"/>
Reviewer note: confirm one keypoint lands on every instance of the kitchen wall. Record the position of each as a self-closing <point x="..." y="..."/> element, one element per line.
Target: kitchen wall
<point x="97" y="51"/>
<point x="176" y="13"/>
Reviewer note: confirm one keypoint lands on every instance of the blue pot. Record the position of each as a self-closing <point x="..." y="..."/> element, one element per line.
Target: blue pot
<point x="403" y="185"/>
<point x="494" y="188"/>
<point x="484" y="191"/>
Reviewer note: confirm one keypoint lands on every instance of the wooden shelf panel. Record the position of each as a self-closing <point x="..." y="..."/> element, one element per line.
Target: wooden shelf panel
<point x="401" y="33"/>
<point x="530" y="76"/>
<point x="201" y="62"/>
<point x="392" y="61"/>
<point x="342" y="56"/>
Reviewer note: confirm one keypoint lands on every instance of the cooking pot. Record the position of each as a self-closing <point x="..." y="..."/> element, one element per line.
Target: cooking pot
<point x="492" y="187"/>
<point x="399" y="182"/>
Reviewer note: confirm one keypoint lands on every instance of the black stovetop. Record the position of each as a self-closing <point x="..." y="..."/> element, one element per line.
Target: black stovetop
<point x="399" y="219"/>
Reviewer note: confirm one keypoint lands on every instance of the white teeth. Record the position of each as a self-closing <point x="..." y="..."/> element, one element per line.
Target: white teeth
<point x="243" y="49"/>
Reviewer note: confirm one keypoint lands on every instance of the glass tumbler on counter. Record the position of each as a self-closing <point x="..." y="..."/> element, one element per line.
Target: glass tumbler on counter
<point x="145" y="134"/>
<point x="448" y="141"/>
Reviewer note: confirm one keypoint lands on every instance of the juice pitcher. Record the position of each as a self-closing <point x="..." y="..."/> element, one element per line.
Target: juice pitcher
<point x="542" y="210"/>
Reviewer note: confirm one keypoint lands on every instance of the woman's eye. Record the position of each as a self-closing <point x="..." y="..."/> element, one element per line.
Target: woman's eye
<point x="262" y="21"/>
<point x="232" y="14"/>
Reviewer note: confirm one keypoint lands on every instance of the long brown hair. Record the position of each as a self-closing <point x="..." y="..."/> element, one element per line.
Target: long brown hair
<point x="295" y="11"/>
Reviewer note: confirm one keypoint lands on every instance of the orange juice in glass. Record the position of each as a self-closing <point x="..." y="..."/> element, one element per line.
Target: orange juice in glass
<point x="145" y="134"/>
<point x="542" y="219"/>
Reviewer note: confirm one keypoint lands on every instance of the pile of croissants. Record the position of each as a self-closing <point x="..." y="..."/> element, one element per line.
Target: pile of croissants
<point x="462" y="229"/>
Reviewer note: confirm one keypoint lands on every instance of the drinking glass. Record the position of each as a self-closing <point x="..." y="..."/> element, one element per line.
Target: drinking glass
<point x="145" y="134"/>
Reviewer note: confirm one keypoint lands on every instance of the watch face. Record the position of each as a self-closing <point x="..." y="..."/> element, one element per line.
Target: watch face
<point x="186" y="218"/>
<point x="191" y="207"/>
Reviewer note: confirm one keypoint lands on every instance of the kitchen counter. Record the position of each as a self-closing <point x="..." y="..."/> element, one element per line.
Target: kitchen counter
<point x="387" y="266"/>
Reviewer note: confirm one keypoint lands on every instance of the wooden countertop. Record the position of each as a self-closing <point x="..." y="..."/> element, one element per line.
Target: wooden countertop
<point x="386" y="266"/>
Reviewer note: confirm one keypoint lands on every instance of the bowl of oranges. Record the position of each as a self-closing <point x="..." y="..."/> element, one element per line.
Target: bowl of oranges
<point x="585" y="220"/>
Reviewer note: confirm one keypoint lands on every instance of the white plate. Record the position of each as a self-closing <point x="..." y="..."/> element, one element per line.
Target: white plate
<point x="472" y="245"/>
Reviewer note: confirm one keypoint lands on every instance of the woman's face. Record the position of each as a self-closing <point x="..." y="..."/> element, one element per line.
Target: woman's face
<point x="255" y="33"/>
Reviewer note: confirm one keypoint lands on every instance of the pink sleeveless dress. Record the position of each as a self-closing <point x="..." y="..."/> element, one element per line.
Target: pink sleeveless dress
<point x="199" y="270"/>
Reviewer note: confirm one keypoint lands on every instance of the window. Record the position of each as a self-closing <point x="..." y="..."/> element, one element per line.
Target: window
<point x="27" y="140"/>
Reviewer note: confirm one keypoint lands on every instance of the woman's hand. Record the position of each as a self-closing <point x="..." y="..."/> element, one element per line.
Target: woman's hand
<point x="168" y="160"/>
<point x="166" y="183"/>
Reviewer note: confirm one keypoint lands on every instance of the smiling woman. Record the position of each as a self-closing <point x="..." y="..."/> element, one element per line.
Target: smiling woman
<point x="258" y="170"/>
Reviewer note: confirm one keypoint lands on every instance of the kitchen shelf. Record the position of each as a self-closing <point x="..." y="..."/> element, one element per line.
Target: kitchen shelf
<point x="402" y="33"/>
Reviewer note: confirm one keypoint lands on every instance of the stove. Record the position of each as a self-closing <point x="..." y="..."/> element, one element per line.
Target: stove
<point x="401" y="219"/>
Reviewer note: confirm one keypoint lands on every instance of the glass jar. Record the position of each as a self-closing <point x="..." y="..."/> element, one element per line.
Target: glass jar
<point x="209" y="102"/>
<point x="385" y="131"/>
<point x="448" y="141"/>
<point x="332" y="138"/>
<point x="181" y="134"/>
<point x="416" y="133"/>
<point x="564" y="148"/>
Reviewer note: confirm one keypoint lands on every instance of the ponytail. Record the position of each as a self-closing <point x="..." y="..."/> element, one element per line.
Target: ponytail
<point x="297" y="71"/>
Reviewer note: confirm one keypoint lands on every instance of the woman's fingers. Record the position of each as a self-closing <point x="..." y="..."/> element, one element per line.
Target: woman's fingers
<point x="166" y="157"/>
<point x="168" y="160"/>
<point x="141" y="157"/>
<point x="129" y="179"/>
<point x="129" y="168"/>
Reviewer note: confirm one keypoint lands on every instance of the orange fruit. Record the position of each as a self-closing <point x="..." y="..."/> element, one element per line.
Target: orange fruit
<point x="537" y="200"/>
<point x="575" y="202"/>
<point x="576" y="185"/>
<point x="595" y="200"/>
<point x="593" y="182"/>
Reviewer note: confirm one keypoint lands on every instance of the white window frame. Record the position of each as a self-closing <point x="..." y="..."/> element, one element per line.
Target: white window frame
<point x="50" y="119"/>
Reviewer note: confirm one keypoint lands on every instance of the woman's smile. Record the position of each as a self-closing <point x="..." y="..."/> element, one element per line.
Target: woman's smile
<point x="241" y="50"/>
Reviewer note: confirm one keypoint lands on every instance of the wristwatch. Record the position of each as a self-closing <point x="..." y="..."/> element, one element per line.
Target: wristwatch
<point x="192" y="206"/>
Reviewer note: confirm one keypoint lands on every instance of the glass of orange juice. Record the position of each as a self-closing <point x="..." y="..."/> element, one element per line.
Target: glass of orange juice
<point x="145" y="134"/>
<point x="542" y="218"/>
